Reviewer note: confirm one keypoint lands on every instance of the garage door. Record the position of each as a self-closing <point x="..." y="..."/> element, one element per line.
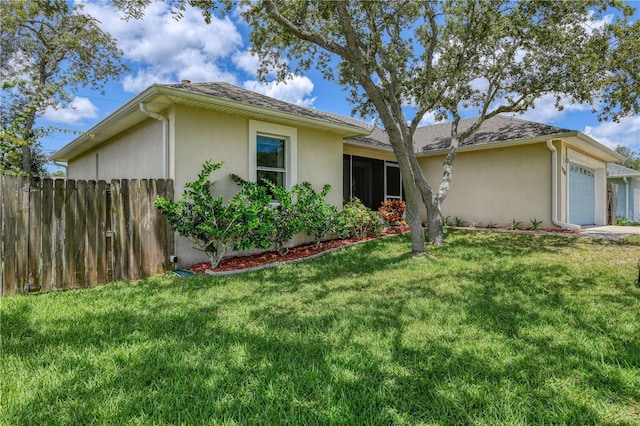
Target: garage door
<point x="582" y="195"/>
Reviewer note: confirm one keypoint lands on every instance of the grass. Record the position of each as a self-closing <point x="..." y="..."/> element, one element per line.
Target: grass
<point x="492" y="328"/>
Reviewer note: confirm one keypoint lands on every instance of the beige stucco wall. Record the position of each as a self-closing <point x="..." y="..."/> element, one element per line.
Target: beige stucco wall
<point x="497" y="185"/>
<point x="200" y="135"/>
<point x="133" y="154"/>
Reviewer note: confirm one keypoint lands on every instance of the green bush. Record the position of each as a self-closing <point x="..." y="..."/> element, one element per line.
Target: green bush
<point x="250" y="219"/>
<point x="286" y="218"/>
<point x="317" y="217"/>
<point x="356" y="221"/>
<point x="215" y="227"/>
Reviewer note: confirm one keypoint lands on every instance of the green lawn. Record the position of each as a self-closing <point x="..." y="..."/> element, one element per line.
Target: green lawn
<point x="493" y="328"/>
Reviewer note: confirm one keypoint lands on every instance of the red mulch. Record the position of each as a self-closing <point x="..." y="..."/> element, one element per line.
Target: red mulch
<point x="265" y="258"/>
<point x="306" y="250"/>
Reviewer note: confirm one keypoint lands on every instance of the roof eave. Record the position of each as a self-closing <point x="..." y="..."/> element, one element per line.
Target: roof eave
<point x="73" y="148"/>
<point x="503" y="144"/>
<point x="344" y="129"/>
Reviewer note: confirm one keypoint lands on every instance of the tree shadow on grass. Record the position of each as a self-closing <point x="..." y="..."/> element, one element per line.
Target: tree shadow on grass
<point x="503" y="344"/>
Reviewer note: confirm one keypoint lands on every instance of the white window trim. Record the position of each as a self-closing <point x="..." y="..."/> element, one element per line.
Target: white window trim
<point x="386" y="182"/>
<point x="290" y="136"/>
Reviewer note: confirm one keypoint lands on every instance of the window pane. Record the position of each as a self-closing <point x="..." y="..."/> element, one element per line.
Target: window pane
<point x="275" y="177"/>
<point x="393" y="181"/>
<point x="270" y="152"/>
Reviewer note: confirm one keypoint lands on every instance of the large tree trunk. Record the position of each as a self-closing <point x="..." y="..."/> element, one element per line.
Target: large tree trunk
<point x="412" y="199"/>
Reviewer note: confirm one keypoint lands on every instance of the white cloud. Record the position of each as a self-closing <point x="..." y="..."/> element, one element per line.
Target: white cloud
<point x="164" y="49"/>
<point x="428" y="119"/>
<point x="80" y="109"/>
<point x="247" y="62"/>
<point x="546" y="112"/>
<point x="296" y="89"/>
<point x="626" y="132"/>
<point x="142" y="79"/>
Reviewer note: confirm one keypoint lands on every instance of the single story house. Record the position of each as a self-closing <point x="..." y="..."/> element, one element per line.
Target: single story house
<point x="628" y="184"/>
<point x="510" y="169"/>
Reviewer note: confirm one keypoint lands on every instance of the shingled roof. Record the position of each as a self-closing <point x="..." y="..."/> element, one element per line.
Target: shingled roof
<point x="618" y="171"/>
<point x="497" y="129"/>
<point x="222" y="90"/>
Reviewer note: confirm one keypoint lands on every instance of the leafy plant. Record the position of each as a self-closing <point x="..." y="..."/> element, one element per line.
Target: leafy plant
<point x="476" y="224"/>
<point x="446" y="221"/>
<point x="215" y="227"/>
<point x="458" y="221"/>
<point x="491" y="224"/>
<point x="621" y="221"/>
<point x="317" y="217"/>
<point x="535" y="224"/>
<point x="286" y="217"/>
<point x="392" y="211"/>
<point x="356" y="220"/>
<point x="515" y="224"/>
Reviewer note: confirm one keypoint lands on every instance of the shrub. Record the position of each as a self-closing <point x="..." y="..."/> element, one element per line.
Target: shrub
<point x="317" y="217"/>
<point x="286" y="217"/>
<point x="514" y="224"/>
<point x="621" y="221"/>
<point x="392" y="211"/>
<point x="213" y="226"/>
<point x="535" y="224"/>
<point x="356" y="221"/>
<point x="458" y="221"/>
<point x="491" y="225"/>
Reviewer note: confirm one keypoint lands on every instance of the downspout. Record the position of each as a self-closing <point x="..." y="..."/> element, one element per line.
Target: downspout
<point x="554" y="190"/>
<point x="165" y="137"/>
<point x="626" y="198"/>
<point x="64" y="166"/>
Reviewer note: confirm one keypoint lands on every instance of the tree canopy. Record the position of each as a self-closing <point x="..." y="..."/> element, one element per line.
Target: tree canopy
<point x="48" y="50"/>
<point x="632" y="158"/>
<point x="403" y="59"/>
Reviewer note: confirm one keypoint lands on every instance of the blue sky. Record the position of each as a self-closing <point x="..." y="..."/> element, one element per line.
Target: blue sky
<point x="160" y="49"/>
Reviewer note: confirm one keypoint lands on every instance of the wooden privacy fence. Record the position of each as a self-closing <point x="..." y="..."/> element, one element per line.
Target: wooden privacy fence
<point x="63" y="234"/>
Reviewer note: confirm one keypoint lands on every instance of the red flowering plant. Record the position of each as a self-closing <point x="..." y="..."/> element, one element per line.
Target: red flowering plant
<point x="392" y="212"/>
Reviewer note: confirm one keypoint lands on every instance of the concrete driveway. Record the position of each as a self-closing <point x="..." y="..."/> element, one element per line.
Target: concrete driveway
<point x="610" y="232"/>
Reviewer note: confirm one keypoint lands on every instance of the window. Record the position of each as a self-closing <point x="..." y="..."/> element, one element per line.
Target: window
<point x="270" y="160"/>
<point x="272" y="153"/>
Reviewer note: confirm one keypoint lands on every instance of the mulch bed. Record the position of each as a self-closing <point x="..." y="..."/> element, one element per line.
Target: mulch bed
<point x="266" y="258"/>
<point x="308" y="250"/>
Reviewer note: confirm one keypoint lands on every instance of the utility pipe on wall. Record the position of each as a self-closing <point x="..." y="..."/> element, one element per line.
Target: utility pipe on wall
<point x="554" y="190"/>
<point x="626" y="198"/>
<point x="64" y="166"/>
<point x="165" y="137"/>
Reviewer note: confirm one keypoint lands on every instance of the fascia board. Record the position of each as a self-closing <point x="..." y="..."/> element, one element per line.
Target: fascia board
<point x="75" y="147"/>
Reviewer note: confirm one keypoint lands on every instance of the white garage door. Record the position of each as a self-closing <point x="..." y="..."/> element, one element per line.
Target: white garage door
<point x="582" y="195"/>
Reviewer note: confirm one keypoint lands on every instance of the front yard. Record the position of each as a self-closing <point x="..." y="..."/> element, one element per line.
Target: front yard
<point x="492" y="328"/>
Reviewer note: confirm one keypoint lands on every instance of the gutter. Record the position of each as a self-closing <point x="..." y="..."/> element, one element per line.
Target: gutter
<point x="64" y="166"/>
<point x="554" y="191"/>
<point x="626" y="197"/>
<point x="165" y="137"/>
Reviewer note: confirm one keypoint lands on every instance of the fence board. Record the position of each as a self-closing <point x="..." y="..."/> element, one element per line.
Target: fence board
<point x="145" y="231"/>
<point x="63" y="234"/>
<point x="9" y="211"/>
<point x="80" y="234"/>
<point x="47" y="249"/>
<point x="92" y="232"/>
<point x="22" y="229"/>
<point x="134" y="233"/>
<point x="58" y="233"/>
<point x="69" y="235"/>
